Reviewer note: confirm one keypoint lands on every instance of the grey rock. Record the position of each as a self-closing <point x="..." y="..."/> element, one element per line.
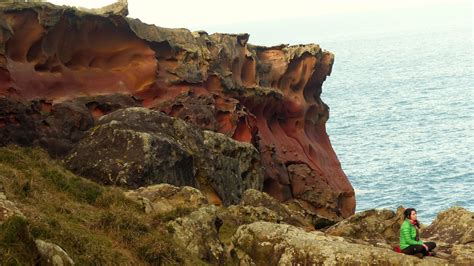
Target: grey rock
<point x="163" y="198"/>
<point x="373" y="226"/>
<point x="454" y="225"/>
<point x="197" y="233"/>
<point x="137" y="147"/>
<point x="53" y="254"/>
<point x="264" y="243"/>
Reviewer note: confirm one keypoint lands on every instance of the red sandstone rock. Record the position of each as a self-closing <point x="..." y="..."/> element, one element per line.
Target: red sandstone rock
<point x="269" y="96"/>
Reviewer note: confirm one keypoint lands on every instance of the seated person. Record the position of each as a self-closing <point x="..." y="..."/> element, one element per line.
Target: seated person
<point x="410" y="242"/>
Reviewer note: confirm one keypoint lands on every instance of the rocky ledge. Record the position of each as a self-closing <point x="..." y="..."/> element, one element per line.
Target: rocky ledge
<point x="262" y="231"/>
<point x="54" y="217"/>
<point x="63" y="69"/>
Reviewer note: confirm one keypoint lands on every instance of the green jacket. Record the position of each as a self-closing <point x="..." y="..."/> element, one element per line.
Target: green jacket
<point x="408" y="235"/>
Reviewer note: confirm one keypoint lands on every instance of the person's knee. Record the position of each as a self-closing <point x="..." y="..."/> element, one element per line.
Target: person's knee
<point x="418" y="249"/>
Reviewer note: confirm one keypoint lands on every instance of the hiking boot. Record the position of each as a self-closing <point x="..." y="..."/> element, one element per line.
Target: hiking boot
<point x="418" y="255"/>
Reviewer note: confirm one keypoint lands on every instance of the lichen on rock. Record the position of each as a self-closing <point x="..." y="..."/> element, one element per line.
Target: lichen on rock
<point x="53" y="254"/>
<point x="279" y="244"/>
<point x="166" y="198"/>
<point x="136" y="147"/>
<point x="197" y="233"/>
<point x="373" y="226"/>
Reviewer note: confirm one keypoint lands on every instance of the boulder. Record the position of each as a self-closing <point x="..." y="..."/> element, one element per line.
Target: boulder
<point x="454" y="226"/>
<point x="136" y="147"/>
<point x="165" y="198"/>
<point x="52" y="254"/>
<point x="116" y="153"/>
<point x="453" y="232"/>
<point x="374" y="226"/>
<point x="318" y="220"/>
<point x="236" y="215"/>
<point x="259" y="206"/>
<point x="197" y="233"/>
<point x="462" y="254"/>
<point x="231" y="166"/>
<point x="294" y="217"/>
<point x="264" y="243"/>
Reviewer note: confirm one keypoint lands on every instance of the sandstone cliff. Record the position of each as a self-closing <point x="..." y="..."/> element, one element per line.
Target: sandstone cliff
<point x="61" y="69"/>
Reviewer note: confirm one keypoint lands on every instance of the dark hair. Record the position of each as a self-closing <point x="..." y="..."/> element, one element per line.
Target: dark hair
<point x="407" y="214"/>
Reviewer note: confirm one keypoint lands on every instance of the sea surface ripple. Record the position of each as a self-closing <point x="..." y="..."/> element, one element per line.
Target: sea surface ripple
<point x="401" y="119"/>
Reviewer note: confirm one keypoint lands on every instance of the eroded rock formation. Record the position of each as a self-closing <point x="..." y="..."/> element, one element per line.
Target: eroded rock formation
<point x="268" y="96"/>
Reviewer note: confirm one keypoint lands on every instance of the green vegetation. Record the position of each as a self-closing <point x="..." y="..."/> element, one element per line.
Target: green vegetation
<point x="93" y="223"/>
<point x="17" y="247"/>
<point x="75" y="186"/>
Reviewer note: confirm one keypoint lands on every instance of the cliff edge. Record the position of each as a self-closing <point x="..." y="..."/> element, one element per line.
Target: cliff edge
<point x="62" y="69"/>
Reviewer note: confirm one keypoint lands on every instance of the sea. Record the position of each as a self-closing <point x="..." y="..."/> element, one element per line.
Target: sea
<point x="402" y="118"/>
<point x="401" y="98"/>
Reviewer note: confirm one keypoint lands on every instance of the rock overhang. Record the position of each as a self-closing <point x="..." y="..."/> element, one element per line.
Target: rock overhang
<point x="267" y="96"/>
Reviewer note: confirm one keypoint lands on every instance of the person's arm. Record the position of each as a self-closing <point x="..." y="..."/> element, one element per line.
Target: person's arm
<point x="405" y="233"/>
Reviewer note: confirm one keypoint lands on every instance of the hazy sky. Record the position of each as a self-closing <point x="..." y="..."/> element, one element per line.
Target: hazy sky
<point x="296" y="21"/>
<point x="194" y="13"/>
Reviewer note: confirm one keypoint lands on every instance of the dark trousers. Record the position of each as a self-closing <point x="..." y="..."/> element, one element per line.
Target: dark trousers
<point x="413" y="249"/>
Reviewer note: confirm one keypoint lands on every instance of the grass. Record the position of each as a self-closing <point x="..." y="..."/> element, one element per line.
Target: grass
<point x="94" y="224"/>
<point x="76" y="187"/>
<point x="17" y="246"/>
<point x="156" y="249"/>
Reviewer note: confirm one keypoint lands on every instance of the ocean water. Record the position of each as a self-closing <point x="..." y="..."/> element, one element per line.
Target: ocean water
<point x="402" y="118"/>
